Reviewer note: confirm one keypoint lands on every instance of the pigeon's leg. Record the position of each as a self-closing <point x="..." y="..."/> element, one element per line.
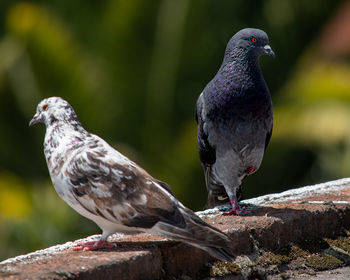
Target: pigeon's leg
<point x="102" y="243"/>
<point x="236" y="210"/>
<point x="93" y="245"/>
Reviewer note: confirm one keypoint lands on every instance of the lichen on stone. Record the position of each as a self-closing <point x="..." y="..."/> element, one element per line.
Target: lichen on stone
<point x="270" y="258"/>
<point x="296" y="252"/>
<point x="342" y="243"/>
<point x="322" y="262"/>
<point x="220" y="268"/>
<point x="298" y="263"/>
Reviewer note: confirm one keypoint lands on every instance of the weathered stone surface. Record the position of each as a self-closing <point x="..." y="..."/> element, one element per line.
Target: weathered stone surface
<point x="309" y="213"/>
<point x="128" y="263"/>
<point x="336" y="274"/>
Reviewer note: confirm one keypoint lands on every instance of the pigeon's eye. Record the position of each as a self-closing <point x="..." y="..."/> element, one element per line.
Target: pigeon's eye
<point x="254" y="40"/>
<point x="45" y="107"/>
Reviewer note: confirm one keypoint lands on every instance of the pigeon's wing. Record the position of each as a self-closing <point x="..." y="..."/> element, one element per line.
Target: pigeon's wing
<point x="207" y="154"/>
<point x="165" y="186"/>
<point x="268" y="137"/>
<point x="109" y="185"/>
<point x="112" y="187"/>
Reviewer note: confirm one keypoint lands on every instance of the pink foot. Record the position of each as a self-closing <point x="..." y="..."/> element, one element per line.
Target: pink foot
<point x="93" y="245"/>
<point x="236" y="210"/>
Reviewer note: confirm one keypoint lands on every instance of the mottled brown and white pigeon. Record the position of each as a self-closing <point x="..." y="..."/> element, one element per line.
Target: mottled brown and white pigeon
<point x="234" y="117"/>
<point x="118" y="195"/>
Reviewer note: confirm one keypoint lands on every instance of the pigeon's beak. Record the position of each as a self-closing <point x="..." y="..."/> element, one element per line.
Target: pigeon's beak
<point x="34" y="120"/>
<point x="269" y="51"/>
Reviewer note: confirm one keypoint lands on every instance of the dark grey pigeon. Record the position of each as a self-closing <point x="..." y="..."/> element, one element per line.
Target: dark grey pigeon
<point x="234" y="117"/>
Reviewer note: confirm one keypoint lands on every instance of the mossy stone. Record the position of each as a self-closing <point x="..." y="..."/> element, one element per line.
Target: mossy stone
<point x="296" y="252"/>
<point x="224" y="268"/>
<point x="322" y="262"/>
<point x="342" y="243"/>
<point x="269" y="258"/>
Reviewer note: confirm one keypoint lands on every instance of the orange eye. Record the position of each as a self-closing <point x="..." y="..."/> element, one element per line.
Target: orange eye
<point x="45" y="107"/>
<point x="254" y="40"/>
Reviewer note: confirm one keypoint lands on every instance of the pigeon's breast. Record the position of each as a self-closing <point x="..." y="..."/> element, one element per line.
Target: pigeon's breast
<point x="239" y="121"/>
<point x="227" y="107"/>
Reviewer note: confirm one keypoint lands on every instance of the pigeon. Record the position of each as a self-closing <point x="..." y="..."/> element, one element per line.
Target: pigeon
<point x="234" y="118"/>
<point x="106" y="187"/>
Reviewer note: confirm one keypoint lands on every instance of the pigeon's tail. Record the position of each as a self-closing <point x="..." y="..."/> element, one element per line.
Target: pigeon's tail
<point x="199" y="234"/>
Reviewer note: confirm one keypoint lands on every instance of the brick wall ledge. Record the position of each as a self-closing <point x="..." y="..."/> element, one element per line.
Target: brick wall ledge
<point x="307" y="213"/>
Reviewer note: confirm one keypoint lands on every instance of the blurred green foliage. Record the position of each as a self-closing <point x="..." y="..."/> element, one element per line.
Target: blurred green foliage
<point x="133" y="70"/>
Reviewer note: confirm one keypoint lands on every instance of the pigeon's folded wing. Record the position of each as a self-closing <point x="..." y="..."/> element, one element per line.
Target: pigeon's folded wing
<point x="206" y="151"/>
<point x="121" y="191"/>
<point x="268" y="137"/>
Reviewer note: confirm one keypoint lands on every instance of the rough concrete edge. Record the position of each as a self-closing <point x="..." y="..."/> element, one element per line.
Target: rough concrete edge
<point x="293" y="194"/>
<point x="36" y="255"/>
<point x="298" y="193"/>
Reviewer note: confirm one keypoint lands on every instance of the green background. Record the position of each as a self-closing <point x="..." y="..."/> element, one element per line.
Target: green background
<point x="133" y="69"/>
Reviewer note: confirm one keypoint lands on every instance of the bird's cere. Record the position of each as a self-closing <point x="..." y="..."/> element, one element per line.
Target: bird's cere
<point x="269" y="51"/>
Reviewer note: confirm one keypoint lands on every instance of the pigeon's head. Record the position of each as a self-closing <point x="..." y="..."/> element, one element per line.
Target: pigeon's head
<point x="249" y="41"/>
<point x="53" y="109"/>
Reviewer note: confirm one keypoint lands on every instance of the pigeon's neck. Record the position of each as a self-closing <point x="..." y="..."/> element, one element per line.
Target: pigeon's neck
<point x="61" y="139"/>
<point x="238" y="82"/>
<point x="241" y="68"/>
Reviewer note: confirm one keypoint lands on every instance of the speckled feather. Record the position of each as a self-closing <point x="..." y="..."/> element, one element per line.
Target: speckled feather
<point x="108" y="188"/>
<point x="234" y="116"/>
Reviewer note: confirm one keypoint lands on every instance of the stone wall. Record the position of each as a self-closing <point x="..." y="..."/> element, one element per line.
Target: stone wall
<point x="284" y="221"/>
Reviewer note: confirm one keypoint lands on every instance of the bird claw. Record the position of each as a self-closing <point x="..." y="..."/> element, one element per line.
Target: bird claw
<point x="237" y="212"/>
<point x="93" y="245"/>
